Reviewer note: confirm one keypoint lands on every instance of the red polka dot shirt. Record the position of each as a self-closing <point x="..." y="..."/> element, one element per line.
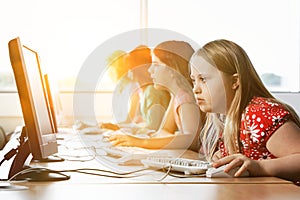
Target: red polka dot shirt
<point x="260" y="119"/>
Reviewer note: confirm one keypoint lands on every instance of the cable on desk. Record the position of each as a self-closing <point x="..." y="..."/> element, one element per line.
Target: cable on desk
<point x="93" y="148"/>
<point x="102" y="172"/>
<point x="110" y="174"/>
<point x="176" y="175"/>
<point x="77" y="160"/>
<point x="167" y="173"/>
<point x="115" y="174"/>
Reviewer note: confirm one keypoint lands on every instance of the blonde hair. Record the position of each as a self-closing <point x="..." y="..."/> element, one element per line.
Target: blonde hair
<point x="116" y="65"/>
<point x="230" y="58"/>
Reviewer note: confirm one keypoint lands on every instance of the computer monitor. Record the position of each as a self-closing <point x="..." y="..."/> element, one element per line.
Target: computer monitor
<point x="50" y="101"/>
<point x="39" y="130"/>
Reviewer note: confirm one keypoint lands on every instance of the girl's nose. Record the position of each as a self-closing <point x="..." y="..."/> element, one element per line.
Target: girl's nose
<point x="197" y="89"/>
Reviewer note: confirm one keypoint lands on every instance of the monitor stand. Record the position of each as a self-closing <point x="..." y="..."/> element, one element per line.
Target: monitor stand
<point x="32" y="174"/>
<point x="48" y="159"/>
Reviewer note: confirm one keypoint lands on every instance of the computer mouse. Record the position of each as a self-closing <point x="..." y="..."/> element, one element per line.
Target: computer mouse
<point x="220" y="173"/>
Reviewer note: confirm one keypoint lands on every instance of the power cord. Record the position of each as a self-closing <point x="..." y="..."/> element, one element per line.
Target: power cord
<point x="9" y="155"/>
<point x="13" y="151"/>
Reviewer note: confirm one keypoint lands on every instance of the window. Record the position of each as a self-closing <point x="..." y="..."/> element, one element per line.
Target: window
<point x="66" y="32"/>
<point x="63" y="32"/>
<point x="268" y="30"/>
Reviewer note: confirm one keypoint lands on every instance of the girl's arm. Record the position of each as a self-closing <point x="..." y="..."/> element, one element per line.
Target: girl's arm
<point x="168" y="124"/>
<point x="284" y="144"/>
<point x="189" y="115"/>
<point x="133" y="108"/>
<point x="165" y="137"/>
<point x="164" y="120"/>
<point x="155" y="116"/>
<point x="167" y="142"/>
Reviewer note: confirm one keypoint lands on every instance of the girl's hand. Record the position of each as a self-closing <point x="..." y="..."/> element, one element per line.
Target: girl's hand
<point x="243" y="163"/>
<point x="109" y="126"/>
<point x="123" y="140"/>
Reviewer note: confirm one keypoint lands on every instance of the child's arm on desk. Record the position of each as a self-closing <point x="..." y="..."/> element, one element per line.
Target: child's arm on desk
<point x="168" y="142"/>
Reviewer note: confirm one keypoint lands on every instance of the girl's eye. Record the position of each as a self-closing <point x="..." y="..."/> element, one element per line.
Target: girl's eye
<point x="202" y="79"/>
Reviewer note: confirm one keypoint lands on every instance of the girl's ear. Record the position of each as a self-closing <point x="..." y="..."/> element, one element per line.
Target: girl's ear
<point x="235" y="81"/>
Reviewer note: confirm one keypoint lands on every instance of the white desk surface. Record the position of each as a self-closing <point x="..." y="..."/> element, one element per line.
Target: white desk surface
<point x="149" y="186"/>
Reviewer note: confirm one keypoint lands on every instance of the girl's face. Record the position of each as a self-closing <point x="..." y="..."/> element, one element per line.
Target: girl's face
<point x="211" y="86"/>
<point x="160" y="74"/>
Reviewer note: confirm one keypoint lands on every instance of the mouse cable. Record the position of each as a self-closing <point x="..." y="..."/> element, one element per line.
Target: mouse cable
<point x="114" y="174"/>
<point x="166" y="173"/>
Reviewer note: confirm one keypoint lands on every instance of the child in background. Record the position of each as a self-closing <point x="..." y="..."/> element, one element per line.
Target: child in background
<point x="170" y="72"/>
<point x="245" y="126"/>
<point x="135" y="99"/>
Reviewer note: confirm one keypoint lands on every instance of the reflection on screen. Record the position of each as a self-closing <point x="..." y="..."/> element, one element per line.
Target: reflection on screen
<point x="36" y="83"/>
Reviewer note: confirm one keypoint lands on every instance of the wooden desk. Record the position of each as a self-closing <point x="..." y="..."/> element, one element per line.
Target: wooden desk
<point x="82" y="186"/>
<point x="74" y="191"/>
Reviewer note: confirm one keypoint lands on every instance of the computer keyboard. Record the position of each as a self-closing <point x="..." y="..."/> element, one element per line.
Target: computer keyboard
<point x="133" y="155"/>
<point x="154" y="159"/>
<point x="187" y="166"/>
<point x="115" y="152"/>
<point x="164" y="160"/>
<point x="126" y="155"/>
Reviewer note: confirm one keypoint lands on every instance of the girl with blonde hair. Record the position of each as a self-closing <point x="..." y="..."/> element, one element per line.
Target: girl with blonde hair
<point x="246" y="126"/>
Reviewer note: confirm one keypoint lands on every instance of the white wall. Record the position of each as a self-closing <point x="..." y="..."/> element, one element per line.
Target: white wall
<point x="292" y="99"/>
<point x="10" y="111"/>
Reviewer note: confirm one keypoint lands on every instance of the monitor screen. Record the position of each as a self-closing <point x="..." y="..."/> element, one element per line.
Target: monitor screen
<point x="33" y="99"/>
